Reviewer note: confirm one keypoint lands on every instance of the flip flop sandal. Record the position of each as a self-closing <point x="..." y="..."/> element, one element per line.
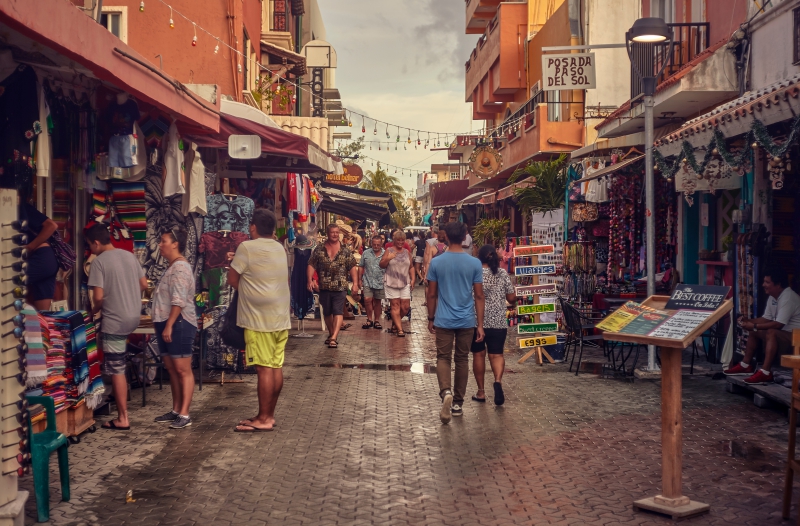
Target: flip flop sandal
<point x="401" y="334"/>
<point x="378" y="326"/>
<point x="368" y="325"/>
<point x="111" y="425"/>
<point x="252" y="429"/>
<point x="345" y="327"/>
<point x="481" y="400"/>
<point x="333" y="344"/>
<point x="327" y="340"/>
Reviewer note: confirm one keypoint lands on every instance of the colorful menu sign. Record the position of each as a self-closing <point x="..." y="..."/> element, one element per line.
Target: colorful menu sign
<point x="680" y="324"/>
<point x="538" y="341"/>
<point x="621" y="317"/>
<point x="533" y="290"/>
<point x="645" y="323"/>
<point x="522" y="310"/>
<point x="528" y="328"/>
<point x="534" y="270"/>
<point x="533" y="250"/>
<point x="697" y="297"/>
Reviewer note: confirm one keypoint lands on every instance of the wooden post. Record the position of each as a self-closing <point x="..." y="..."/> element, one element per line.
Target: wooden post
<point x="671" y="429"/>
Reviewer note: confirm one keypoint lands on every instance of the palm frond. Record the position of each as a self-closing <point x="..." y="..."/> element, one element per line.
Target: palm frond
<point x="549" y="186"/>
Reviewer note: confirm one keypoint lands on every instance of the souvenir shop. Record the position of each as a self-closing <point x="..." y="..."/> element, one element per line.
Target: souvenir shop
<point x="735" y="170"/>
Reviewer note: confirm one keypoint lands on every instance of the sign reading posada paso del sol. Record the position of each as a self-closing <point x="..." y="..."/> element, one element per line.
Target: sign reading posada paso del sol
<point x="352" y="176"/>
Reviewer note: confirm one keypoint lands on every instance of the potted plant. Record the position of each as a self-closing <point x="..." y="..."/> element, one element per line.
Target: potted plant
<point x="727" y="248"/>
<point x="548" y="189"/>
<point x="489" y="231"/>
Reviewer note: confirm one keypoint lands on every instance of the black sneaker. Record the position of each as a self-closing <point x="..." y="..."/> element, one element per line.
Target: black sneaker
<point x="166" y="418"/>
<point x="181" y="422"/>
<point x="456" y="410"/>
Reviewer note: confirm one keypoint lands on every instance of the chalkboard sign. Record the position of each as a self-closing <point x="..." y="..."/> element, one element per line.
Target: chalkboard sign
<point x="697" y="297"/>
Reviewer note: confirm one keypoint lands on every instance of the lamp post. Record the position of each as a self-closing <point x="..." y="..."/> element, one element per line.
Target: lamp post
<point x="646" y="33"/>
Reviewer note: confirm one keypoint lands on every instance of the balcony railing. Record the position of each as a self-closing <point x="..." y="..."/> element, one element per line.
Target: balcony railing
<point x="523" y="118"/>
<point x="689" y="40"/>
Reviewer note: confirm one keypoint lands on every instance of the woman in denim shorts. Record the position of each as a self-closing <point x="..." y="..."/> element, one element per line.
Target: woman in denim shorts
<point x="175" y="323"/>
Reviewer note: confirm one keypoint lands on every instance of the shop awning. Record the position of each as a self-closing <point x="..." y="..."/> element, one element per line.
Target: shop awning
<point x="448" y="193"/>
<point x="71" y="40"/>
<point x="611" y="169"/>
<point x="361" y="195"/>
<point x="470" y="200"/>
<point x="286" y="152"/>
<point x="777" y="102"/>
<point x="510" y="190"/>
<point x="295" y="62"/>
<point x="352" y="209"/>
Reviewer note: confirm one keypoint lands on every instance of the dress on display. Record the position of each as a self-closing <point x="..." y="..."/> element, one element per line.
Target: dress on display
<point x="302" y="298"/>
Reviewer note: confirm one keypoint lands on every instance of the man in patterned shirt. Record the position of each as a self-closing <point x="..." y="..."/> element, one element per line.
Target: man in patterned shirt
<point x="332" y="262"/>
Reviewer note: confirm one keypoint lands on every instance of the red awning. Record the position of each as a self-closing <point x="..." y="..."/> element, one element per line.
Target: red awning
<point x="448" y="193"/>
<point x="63" y="28"/>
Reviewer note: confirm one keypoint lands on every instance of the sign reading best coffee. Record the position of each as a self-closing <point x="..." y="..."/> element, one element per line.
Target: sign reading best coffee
<point x="571" y="71"/>
<point x="352" y="176"/>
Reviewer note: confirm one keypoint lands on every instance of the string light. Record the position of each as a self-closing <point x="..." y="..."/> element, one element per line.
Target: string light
<point x="141" y="6"/>
<point x="194" y="39"/>
<point x="216" y="48"/>
<point x="171" y="21"/>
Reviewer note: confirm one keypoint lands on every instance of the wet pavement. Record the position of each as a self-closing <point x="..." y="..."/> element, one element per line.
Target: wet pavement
<point x="359" y="441"/>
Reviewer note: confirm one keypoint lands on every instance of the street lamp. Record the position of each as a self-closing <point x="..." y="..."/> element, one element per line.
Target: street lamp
<point x="645" y="34"/>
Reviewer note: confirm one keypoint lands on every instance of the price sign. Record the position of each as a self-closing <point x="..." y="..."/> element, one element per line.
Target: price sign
<point x="534" y="270"/>
<point x="534" y="290"/>
<point x="528" y="328"/>
<point x="536" y="309"/>
<point x="534" y="250"/>
<point x="539" y="341"/>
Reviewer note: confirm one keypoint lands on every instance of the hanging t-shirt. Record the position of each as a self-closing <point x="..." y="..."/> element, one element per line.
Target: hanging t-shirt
<point x="228" y="213"/>
<point x="174" y="177"/>
<point x="122" y="116"/>
<point x="217" y="245"/>
<point x="291" y="179"/>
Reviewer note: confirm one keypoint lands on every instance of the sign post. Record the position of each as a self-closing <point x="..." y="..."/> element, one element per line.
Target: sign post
<point x="533" y="331"/>
<point x="672" y="331"/>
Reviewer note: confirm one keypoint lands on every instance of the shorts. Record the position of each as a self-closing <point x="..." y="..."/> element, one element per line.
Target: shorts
<point x="265" y="349"/>
<point x="113" y="353"/>
<point x="183" y="334"/>
<point x="332" y="302"/>
<point x="493" y="341"/>
<point x="122" y="151"/>
<point x="418" y="259"/>
<point x="398" y="294"/>
<point x="41" y="273"/>
<point x="370" y="293"/>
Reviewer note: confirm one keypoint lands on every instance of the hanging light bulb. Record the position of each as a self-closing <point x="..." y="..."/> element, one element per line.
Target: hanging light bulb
<point x="375" y="131"/>
<point x="216" y="48"/>
<point x="239" y="67"/>
<point x="171" y="22"/>
<point x="194" y="39"/>
<point x="387" y="132"/>
<point x="141" y="6"/>
<point x="398" y="134"/>
<point x="363" y="126"/>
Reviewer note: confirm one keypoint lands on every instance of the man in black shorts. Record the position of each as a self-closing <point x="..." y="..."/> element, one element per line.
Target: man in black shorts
<point x="332" y="261"/>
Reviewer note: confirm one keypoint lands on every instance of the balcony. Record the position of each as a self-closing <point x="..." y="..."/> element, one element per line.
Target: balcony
<point x="530" y="136"/>
<point x="495" y="71"/>
<point x="479" y="12"/>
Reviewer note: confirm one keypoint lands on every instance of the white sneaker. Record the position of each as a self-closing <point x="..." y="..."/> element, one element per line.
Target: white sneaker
<point x="447" y="402"/>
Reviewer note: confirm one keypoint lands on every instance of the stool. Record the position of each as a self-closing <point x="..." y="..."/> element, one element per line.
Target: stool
<point x="42" y="446"/>
<point x="792" y="464"/>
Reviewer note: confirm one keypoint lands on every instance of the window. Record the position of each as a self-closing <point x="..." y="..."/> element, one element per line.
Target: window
<point x="554" y="106"/>
<point x="115" y="19"/>
<point x="454" y="176"/>
<point x="796" y="36"/>
<point x="663" y="9"/>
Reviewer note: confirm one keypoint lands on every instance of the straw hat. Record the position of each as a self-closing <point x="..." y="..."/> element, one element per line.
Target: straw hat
<point x="347" y="229"/>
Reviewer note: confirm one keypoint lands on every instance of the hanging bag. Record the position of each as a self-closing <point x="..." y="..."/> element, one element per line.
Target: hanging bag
<point x="232" y="335"/>
<point x="584" y="212"/>
<point x="65" y="255"/>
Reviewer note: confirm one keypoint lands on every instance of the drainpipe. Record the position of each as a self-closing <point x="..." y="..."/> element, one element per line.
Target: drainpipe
<point x="576" y="39"/>
<point x="99" y="10"/>
<point x="298" y="46"/>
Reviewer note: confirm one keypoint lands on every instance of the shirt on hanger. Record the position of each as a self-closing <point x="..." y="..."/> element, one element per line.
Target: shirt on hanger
<point x="217" y="245"/>
<point x="122" y="116"/>
<point x="228" y="213"/>
<point x="174" y="179"/>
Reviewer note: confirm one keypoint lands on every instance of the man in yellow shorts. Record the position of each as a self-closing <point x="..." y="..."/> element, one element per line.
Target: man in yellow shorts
<point x="259" y="272"/>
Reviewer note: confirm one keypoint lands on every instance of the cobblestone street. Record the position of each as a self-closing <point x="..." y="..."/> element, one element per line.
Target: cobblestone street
<point x="359" y="442"/>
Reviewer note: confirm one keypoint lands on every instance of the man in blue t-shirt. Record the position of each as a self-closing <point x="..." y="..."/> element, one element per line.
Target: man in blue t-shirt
<point x="454" y="279"/>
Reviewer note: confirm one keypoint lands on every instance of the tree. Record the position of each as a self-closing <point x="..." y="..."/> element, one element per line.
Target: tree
<point x="380" y="181"/>
<point x="349" y="152"/>
<point x="548" y="191"/>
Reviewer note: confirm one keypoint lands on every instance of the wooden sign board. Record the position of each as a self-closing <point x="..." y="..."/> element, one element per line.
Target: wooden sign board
<point x="534" y="290"/>
<point x="534" y="270"/>
<point x="351" y="177"/>
<point x="538" y="341"/>
<point x="529" y="328"/>
<point x="697" y="297"/>
<point x="523" y="310"/>
<point x="533" y="250"/>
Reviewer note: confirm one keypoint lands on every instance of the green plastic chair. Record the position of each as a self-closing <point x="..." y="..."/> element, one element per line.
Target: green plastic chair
<point x="42" y="446"/>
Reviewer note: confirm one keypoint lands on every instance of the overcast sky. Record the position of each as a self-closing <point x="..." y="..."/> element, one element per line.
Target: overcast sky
<point x="402" y="62"/>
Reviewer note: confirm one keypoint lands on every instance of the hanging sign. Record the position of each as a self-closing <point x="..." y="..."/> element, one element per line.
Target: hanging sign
<point x="534" y="290"/>
<point x="351" y="177"/>
<point x="697" y="297"/>
<point x="534" y="250"/>
<point x="529" y="328"/>
<point x="539" y="341"/>
<point x="536" y="309"/>
<point x="571" y="71"/>
<point x="534" y="270"/>
<point x="485" y="162"/>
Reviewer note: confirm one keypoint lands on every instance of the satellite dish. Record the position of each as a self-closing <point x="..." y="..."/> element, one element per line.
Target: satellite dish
<point x="244" y="146"/>
<point x="319" y="54"/>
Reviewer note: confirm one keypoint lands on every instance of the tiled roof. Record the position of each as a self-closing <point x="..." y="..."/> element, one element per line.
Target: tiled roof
<point x="741" y="107"/>
<point x="672" y="79"/>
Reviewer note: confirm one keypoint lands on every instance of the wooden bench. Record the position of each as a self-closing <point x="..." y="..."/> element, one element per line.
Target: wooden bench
<point x="792" y="361"/>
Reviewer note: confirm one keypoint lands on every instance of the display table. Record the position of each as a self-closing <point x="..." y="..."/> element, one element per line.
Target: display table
<point x="671" y="501"/>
